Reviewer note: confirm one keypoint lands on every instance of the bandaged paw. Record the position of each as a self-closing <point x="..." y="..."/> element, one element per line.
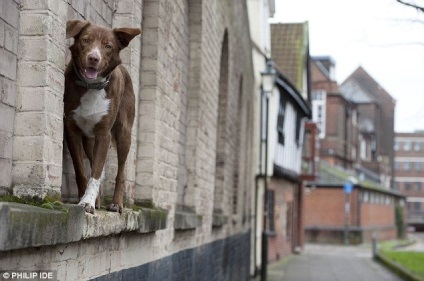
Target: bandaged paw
<point x="88" y="201"/>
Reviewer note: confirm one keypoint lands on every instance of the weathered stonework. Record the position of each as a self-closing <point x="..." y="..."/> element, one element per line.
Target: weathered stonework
<point x="175" y="67"/>
<point x="38" y="134"/>
<point x="25" y="226"/>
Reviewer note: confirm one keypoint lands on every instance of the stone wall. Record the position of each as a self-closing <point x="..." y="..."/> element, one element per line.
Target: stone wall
<point x="175" y="67"/>
<point x="9" y="36"/>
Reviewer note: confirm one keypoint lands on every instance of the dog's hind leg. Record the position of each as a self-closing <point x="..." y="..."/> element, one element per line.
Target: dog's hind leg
<point x="75" y="149"/>
<point x="123" y="143"/>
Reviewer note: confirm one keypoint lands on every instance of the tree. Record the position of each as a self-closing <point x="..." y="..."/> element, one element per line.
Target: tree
<point x="413" y="5"/>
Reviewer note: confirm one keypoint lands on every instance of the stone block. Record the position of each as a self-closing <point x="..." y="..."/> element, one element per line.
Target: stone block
<point x="9" y="12"/>
<point x="39" y="99"/>
<point x="2" y="24"/>
<point x="57" y="7"/>
<point x="29" y="148"/>
<point x="28" y="226"/>
<point x="8" y="91"/>
<point x="7" y="117"/>
<point x="11" y="39"/>
<point x="29" y="174"/>
<point x="35" y="24"/>
<point x="33" y="48"/>
<point x="41" y="74"/>
<point x="5" y="171"/>
<point x="8" y="64"/>
<point x="38" y="124"/>
<point x="6" y="144"/>
<point x="33" y="74"/>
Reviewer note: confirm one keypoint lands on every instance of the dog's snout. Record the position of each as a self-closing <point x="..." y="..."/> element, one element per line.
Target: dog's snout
<point x="93" y="58"/>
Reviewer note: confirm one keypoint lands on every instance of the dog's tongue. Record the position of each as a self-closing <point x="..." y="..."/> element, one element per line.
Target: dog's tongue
<point x="91" y="73"/>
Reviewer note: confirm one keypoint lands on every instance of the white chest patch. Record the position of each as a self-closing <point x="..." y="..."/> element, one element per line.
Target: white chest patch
<point x="94" y="105"/>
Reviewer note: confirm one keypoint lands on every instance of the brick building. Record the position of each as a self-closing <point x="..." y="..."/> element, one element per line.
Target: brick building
<point x="376" y="119"/>
<point x="190" y="171"/>
<point x="409" y="174"/>
<point x="351" y="148"/>
<point x="372" y="209"/>
<point x="356" y="121"/>
<point x="336" y="116"/>
<point x="289" y="112"/>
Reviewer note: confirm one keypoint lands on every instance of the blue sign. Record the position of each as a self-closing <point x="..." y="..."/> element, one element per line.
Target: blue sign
<point x="347" y="187"/>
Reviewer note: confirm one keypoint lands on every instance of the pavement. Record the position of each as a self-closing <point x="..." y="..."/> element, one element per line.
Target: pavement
<point x="418" y="246"/>
<point x="330" y="263"/>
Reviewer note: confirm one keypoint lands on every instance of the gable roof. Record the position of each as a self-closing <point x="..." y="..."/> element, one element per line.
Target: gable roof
<point x="366" y="85"/>
<point x="290" y="51"/>
<point x="352" y="91"/>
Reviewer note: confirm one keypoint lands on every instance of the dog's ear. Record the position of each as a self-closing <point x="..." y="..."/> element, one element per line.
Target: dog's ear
<point x="125" y="35"/>
<point x="74" y="27"/>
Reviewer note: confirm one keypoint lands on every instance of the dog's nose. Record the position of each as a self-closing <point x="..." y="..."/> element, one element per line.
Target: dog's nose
<point x="93" y="58"/>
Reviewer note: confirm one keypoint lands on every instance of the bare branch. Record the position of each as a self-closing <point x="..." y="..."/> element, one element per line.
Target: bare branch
<point x="419" y="8"/>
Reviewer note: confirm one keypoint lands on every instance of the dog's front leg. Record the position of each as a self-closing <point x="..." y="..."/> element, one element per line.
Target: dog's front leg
<point x="101" y="147"/>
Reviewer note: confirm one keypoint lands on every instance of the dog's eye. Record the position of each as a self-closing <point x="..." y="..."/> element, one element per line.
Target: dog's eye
<point x="85" y="40"/>
<point x="109" y="47"/>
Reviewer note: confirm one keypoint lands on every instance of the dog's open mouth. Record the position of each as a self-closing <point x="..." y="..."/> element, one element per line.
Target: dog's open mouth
<point x="91" y="73"/>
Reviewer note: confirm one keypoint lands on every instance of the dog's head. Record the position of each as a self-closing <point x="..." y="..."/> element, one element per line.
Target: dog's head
<point x="95" y="51"/>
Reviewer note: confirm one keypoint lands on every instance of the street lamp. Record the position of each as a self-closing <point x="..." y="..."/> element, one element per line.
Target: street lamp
<point x="267" y="86"/>
<point x="268" y="77"/>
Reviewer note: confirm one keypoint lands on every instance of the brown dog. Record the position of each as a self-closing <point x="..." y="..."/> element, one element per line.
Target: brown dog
<point x="99" y="106"/>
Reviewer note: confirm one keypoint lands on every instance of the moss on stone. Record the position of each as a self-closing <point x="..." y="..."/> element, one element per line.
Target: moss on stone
<point x="49" y="202"/>
<point x="145" y="203"/>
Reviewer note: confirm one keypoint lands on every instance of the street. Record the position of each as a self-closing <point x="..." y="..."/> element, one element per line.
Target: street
<point x="330" y="263"/>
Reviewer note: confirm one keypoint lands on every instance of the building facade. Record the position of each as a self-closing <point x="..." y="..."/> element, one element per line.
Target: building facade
<point x="409" y="174"/>
<point x="190" y="171"/>
<point x="376" y="115"/>
<point x="336" y="116"/>
<point x="289" y="112"/>
<point x="352" y="150"/>
<point x="331" y="213"/>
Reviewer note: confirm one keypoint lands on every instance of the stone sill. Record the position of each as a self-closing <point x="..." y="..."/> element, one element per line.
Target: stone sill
<point x="24" y="226"/>
<point x="187" y="219"/>
<point x="219" y="219"/>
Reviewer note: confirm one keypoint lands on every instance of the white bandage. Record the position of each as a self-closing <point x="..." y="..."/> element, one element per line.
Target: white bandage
<point x="91" y="193"/>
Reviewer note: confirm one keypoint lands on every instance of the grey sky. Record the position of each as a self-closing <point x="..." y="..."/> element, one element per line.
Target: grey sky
<point x="384" y="37"/>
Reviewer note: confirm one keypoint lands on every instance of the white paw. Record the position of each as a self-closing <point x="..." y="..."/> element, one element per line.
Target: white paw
<point x="88" y="201"/>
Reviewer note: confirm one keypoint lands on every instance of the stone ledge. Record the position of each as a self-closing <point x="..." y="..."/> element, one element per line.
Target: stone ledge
<point x="219" y="219"/>
<point x="24" y="226"/>
<point x="186" y="220"/>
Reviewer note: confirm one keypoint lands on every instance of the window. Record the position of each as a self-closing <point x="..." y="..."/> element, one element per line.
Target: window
<point x="407" y="186"/>
<point x="406" y="166"/>
<point x="418" y="186"/>
<point x="397" y="165"/>
<point x="318" y="95"/>
<point x="417" y="206"/>
<point x="319" y="111"/>
<point x="417" y="166"/>
<point x="396" y="146"/>
<point x="280" y="119"/>
<point x="366" y="197"/>
<point x="417" y="146"/>
<point x="407" y="146"/>
<point x="298" y="127"/>
<point x="396" y="185"/>
<point x="271" y="212"/>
